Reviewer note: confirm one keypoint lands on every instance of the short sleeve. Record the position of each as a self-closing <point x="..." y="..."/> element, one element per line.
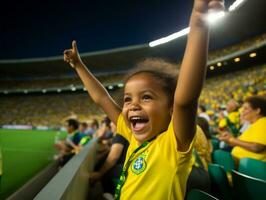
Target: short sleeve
<point x="122" y="129"/>
<point x="168" y="140"/>
<point x="256" y="132"/>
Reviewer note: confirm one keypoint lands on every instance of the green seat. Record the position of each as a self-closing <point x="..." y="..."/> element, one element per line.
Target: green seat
<point x="248" y="188"/>
<point x="199" y="195"/>
<point x="224" y="159"/>
<point x="252" y="167"/>
<point x="215" y="144"/>
<point x="219" y="182"/>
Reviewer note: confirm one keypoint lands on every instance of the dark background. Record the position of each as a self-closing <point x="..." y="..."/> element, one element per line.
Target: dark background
<point x="31" y="29"/>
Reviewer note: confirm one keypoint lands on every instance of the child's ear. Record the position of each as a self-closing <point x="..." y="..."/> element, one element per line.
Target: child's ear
<point x="258" y="111"/>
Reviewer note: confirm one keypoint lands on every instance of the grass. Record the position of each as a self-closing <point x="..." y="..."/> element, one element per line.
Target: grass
<point x="24" y="154"/>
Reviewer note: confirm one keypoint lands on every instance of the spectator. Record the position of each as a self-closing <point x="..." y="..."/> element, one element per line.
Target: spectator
<point x="83" y="126"/>
<point x="93" y="128"/>
<point x="202" y="112"/>
<point x="252" y="143"/>
<point x="70" y="145"/>
<point x="231" y="121"/>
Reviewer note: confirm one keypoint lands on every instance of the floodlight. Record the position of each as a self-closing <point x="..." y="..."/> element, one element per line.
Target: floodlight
<point x="236" y="5"/>
<point x="252" y="55"/>
<point x="219" y="64"/>
<point x="211" y="67"/>
<point x="237" y="59"/>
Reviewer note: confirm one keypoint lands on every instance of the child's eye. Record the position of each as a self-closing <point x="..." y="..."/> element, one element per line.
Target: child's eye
<point x="127" y="99"/>
<point x="146" y="97"/>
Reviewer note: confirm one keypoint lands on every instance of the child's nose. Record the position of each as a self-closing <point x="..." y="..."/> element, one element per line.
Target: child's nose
<point x="135" y="106"/>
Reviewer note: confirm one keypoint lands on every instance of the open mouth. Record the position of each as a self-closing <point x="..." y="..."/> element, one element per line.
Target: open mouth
<point x="138" y="123"/>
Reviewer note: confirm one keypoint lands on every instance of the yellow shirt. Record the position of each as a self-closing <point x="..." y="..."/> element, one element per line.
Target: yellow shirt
<point x="234" y="119"/>
<point x="255" y="133"/>
<point x="158" y="171"/>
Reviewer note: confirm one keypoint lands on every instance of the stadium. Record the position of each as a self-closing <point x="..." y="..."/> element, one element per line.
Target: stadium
<point x="50" y="145"/>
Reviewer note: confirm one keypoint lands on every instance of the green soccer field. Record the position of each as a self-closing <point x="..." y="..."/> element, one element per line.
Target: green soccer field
<point x="24" y="154"/>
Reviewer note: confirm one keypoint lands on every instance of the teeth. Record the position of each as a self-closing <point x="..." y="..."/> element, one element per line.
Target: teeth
<point x="135" y="118"/>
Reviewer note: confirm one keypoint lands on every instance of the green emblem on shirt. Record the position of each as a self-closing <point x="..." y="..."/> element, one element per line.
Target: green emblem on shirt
<point x="139" y="165"/>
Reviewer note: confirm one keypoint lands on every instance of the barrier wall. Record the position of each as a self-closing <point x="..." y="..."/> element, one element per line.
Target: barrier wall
<point x="72" y="181"/>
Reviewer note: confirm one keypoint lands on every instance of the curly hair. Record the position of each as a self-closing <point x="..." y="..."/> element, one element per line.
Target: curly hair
<point x="163" y="71"/>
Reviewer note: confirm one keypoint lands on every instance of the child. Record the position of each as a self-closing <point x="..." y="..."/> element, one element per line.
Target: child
<point x="158" y="122"/>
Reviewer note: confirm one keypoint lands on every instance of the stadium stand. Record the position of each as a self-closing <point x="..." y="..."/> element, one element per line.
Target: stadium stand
<point x="51" y="109"/>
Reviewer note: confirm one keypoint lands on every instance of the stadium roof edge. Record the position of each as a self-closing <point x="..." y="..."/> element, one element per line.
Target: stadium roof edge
<point x="94" y="53"/>
<point x="238" y="53"/>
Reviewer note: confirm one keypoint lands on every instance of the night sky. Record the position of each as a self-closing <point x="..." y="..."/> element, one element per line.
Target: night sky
<point x="31" y="29"/>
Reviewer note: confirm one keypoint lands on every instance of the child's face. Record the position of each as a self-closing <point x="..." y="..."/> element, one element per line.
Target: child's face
<point x="146" y="108"/>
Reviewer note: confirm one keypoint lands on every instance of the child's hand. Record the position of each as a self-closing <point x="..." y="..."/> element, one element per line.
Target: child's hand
<point x="203" y="7"/>
<point x="71" y="56"/>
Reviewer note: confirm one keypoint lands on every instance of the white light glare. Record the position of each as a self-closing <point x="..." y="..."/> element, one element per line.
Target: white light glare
<point x="235" y="5"/>
<point x="120" y="85"/>
<point x="73" y="89"/>
<point x="110" y="87"/>
<point x="211" y="18"/>
<point x="168" y="38"/>
<point x="214" y="16"/>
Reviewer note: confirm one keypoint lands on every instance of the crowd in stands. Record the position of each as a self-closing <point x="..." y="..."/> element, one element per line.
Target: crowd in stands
<point x="234" y="86"/>
<point x="46" y="110"/>
<point x="79" y="134"/>
<point x="52" y="109"/>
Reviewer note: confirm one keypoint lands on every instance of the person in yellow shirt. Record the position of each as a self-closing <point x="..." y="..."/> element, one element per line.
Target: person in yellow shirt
<point x="231" y="121"/>
<point x="252" y="143"/>
<point x="158" y="117"/>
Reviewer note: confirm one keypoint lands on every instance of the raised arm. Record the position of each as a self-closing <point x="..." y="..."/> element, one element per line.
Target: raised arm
<point x="95" y="89"/>
<point x="192" y="73"/>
